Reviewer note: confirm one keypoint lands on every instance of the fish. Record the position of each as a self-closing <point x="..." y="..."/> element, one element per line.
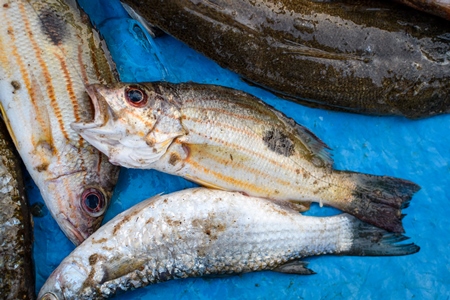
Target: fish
<point x="200" y="232"/>
<point x="48" y="53"/>
<point x="227" y="139"/>
<point x="16" y="229"/>
<point x="439" y="8"/>
<point x="366" y="57"/>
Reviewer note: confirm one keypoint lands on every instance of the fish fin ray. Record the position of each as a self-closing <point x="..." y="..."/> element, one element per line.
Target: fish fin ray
<point x="295" y="267"/>
<point x="378" y="200"/>
<point x="369" y="240"/>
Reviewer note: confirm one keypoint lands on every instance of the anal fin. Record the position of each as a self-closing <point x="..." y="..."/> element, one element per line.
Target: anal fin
<point x="295" y="267"/>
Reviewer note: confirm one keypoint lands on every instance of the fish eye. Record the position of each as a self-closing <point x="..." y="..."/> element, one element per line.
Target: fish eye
<point x="135" y="96"/>
<point x="93" y="202"/>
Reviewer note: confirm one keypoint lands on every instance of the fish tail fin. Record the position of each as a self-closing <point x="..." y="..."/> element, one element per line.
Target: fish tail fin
<point x="369" y="240"/>
<point x="378" y="200"/>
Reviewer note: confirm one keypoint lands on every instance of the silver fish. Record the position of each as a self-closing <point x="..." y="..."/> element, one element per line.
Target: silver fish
<point x="227" y="139"/>
<point x="16" y="268"/>
<point x="198" y="232"/>
<point x="48" y="53"/>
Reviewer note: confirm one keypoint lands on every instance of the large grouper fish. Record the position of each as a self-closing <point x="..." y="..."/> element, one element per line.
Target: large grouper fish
<point x="48" y="53"/>
<point x="439" y="8"/>
<point x="200" y="232"/>
<point x="227" y="139"/>
<point x="16" y="230"/>
<point x="368" y="57"/>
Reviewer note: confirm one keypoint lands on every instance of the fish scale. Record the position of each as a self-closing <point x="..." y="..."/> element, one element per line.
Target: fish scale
<point x="199" y="232"/>
<point x="230" y="140"/>
<point x="49" y="53"/>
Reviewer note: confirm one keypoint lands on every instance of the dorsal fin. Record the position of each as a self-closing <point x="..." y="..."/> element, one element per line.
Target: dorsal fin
<point x="319" y="150"/>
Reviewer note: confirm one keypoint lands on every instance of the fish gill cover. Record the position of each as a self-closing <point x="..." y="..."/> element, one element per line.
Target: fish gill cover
<point x="415" y="150"/>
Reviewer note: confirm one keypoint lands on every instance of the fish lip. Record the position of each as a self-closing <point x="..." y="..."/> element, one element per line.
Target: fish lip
<point x="71" y="231"/>
<point x="101" y="110"/>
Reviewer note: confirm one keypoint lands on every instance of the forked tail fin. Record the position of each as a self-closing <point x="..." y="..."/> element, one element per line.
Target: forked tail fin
<point x="369" y="240"/>
<point x="378" y="200"/>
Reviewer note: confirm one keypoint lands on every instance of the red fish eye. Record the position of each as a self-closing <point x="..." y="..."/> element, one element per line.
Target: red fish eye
<point x="136" y="96"/>
<point x="93" y="202"/>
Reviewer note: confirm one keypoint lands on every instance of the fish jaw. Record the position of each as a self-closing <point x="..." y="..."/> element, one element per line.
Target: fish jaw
<point x="119" y="130"/>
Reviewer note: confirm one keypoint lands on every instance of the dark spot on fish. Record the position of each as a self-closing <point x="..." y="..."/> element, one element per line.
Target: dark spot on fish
<point x="151" y="220"/>
<point x="42" y="167"/>
<point x="231" y="157"/>
<point x="53" y="25"/>
<point x="102" y="240"/>
<point x="10" y="31"/>
<point x="297" y="171"/>
<point x="38" y="210"/>
<point x="118" y="225"/>
<point x="16" y="85"/>
<point x="6" y="5"/>
<point x="278" y="142"/>
<point x="174" y="158"/>
<point x="93" y="259"/>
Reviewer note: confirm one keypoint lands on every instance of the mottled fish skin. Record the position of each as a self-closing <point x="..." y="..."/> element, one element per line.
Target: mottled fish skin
<point x="16" y="268"/>
<point x="360" y="56"/>
<point x="48" y="53"/>
<point x="230" y="140"/>
<point x="439" y="8"/>
<point x="198" y="232"/>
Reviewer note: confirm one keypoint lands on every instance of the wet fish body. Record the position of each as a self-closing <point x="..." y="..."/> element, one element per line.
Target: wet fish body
<point x="49" y="51"/>
<point x="16" y="269"/>
<point x="227" y="139"/>
<point x="439" y="8"/>
<point x="200" y="232"/>
<point x="368" y="57"/>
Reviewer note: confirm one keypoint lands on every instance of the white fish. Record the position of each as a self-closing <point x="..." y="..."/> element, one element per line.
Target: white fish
<point x="199" y="232"/>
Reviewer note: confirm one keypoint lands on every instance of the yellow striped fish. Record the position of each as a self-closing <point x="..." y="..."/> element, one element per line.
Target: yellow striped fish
<point x="48" y="53"/>
<point x="227" y="139"/>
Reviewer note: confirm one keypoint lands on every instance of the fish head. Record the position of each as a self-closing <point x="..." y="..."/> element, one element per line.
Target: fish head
<point x="66" y="282"/>
<point x="80" y="197"/>
<point x="133" y="123"/>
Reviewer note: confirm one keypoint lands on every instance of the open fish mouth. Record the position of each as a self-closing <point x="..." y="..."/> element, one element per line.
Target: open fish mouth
<point x="102" y="112"/>
<point x="101" y="132"/>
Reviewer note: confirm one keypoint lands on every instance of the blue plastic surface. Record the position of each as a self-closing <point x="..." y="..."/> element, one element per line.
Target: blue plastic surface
<point x="394" y="146"/>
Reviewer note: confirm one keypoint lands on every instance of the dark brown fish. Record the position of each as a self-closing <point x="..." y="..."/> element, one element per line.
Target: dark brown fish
<point x="16" y="270"/>
<point x="439" y="8"/>
<point x="368" y="57"/>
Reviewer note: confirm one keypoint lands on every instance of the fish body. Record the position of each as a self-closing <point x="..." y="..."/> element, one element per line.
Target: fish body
<point x="227" y="139"/>
<point x="16" y="268"/>
<point x="439" y="8"/>
<point x="199" y="232"/>
<point x="48" y="52"/>
<point x="368" y="57"/>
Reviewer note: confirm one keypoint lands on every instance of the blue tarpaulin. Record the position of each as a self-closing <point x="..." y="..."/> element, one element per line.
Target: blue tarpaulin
<point x="415" y="150"/>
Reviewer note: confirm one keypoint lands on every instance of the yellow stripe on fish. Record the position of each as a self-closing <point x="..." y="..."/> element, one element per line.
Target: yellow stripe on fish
<point x="230" y="140"/>
<point x="49" y="52"/>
